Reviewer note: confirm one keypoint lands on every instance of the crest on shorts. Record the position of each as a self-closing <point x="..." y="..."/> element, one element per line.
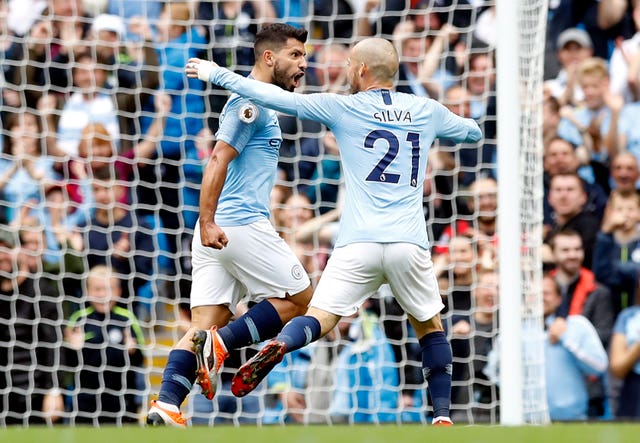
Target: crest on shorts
<point x="296" y="272"/>
<point x="248" y="113"/>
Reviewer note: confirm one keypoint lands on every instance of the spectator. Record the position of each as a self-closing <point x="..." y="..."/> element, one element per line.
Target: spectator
<point x="115" y="237"/>
<point x="595" y="17"/>
<point x="293" y="12"/>
<point x="472" y="339"/>
<point x="625" y="173"/>
<point x="413" y="45"/>
<point x="616" y="260"/>
<point x="53" y="42"/>
<point x="581" y="293"/>
<point x="297" y="211"/>
<point x="468" y="156"/>
<point x="483" y="206"/>
<point x="550" y="119"/>
<point x="625" y="361"/>
<point x="561" y="158"/>
<point x="172" y="183"/>
<point x="442" y="201"/>
<point x="456" y="271"/>
<point x="568" y="199"/>
<point x="233" y="26"/>
<point x="131" y="77"/>
<point x="132" y="10"/>
<point x="53" y="252"/>
<point x="89" y="103"/>
<point x="622" y="58"/>
<point x="329" y="73"/>
<point x="98" y="150"/>
<point x="594" y="126"/>
<point x="30" y="333"/>
<point x="573" y="47"/>
<point x="481" y="83"/>
<point x="333" y="20"/>
<point x="421" y="69"/>
<point x="628" y="131"/>
<point x="25" y="173"/>
<point x="107" y="341"/>
<point x="577" y="354"/>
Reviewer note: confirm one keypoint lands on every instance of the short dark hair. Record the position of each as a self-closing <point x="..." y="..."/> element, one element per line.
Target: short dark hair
<point x="564" y="232"/>
<point x="275" y="36"/>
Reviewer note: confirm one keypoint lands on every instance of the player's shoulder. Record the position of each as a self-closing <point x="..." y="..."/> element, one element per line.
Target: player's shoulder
<point x="413" y="99"/>
<point x="243" y="108"/>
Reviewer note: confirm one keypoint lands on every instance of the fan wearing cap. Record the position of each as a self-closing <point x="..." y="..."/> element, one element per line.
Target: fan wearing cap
<point x="574" y="46"/>
<point x="128" y="70"/>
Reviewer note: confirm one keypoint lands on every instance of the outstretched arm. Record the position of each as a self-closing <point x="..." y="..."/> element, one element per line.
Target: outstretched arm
<point x="312" y="107"/>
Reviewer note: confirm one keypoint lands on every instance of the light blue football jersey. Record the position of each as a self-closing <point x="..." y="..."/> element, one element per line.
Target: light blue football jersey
<point x="384" y="139"/>
<point x="255" y="133"/>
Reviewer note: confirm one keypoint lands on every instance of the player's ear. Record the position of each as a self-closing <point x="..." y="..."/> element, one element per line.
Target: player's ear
<point x="362" y="70"/>
<point x="268" y="57"/>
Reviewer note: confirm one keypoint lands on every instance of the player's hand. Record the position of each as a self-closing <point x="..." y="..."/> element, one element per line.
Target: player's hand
<point x="200" y="69"/>
<point x="212" y="236"/>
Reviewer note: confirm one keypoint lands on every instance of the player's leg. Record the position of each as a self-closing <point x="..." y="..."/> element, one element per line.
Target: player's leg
<point x="264" y="320"/>
<point x="437" y="363"/>
<point x="296" y="334"/>
<point x="271" y="272"/>
<point x="180" y="372"/>
<point x="213" y="294"/>
<point x="261" y="322"/>
<point x="410" y="273"/>
<point x="352" y="274"/>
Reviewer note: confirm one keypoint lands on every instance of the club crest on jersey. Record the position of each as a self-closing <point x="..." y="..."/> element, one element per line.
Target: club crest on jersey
<point x="296" y="272"/>
<point x="248" y="113"/>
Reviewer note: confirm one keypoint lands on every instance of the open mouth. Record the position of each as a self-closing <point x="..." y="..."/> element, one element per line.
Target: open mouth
<point x="297" y="78"/>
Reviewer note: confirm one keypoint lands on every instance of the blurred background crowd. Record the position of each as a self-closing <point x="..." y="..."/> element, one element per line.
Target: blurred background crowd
<point x="104" y="140"/>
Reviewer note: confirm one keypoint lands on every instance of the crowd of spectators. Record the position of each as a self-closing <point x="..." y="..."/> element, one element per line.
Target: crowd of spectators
<point x="103" y="144"/>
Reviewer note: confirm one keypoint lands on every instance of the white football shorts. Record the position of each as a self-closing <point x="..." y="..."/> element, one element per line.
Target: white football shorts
<point x="256" y="263"/>
<point x="355" y="272"/>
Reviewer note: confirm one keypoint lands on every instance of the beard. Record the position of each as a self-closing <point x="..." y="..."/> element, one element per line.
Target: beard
<point x="281" y="79"/>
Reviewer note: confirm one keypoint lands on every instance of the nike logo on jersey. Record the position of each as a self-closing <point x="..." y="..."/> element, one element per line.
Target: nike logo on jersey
<point x="393" y="115"/>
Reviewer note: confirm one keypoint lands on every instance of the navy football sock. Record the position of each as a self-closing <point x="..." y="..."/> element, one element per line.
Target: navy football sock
<point x="437" y="368"/>
<point x="299" y="332"/>
<point x="178" y="377"/>
<point x="259" y="323"/>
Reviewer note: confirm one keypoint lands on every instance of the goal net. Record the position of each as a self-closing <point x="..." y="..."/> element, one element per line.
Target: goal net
<point x="104" y="144"/>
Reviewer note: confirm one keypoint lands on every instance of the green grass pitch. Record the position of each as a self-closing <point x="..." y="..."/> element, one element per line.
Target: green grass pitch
<point x="557" y="433"/>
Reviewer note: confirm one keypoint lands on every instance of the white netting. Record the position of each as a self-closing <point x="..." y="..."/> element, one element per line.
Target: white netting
<point x="532" y="25"/>
<point x="143" y="227"/>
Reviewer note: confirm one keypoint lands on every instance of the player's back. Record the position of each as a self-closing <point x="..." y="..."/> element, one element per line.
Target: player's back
<point x="384" y="139"/>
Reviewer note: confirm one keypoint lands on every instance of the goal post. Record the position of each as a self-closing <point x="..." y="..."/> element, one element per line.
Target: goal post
<point x="520" y="57"/>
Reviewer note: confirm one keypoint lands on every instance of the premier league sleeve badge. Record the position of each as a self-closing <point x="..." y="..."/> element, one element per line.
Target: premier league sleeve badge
<point x="248" y="113"/>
